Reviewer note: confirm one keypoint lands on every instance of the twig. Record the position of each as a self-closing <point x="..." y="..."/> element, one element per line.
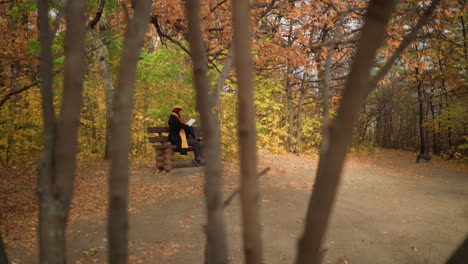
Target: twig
<point x="98" y="15"/>
<point x="154" y="21"/>
<point x="403" y="45"/>
<point x="22" y="89"/>
<point x="236" y="191"/>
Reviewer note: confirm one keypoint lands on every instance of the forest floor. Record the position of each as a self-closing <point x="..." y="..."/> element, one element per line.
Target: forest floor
<point x="389" y="210"/>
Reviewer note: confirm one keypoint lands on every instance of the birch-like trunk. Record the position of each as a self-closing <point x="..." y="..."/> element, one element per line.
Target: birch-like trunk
<point x="253" y="252"/>
<point x="216" y="246"/>
<point x="299" y="114"/>
<point x="102" y="52"/>
<point x="222" y="79"/>
<point x="120" y="134"/>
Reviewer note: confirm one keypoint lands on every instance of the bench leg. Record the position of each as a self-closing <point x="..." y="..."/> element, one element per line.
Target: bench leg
<point x="168" y="158"/>
<point x="159" y="162"/>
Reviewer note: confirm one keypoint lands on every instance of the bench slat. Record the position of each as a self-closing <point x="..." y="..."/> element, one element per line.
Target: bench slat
<point x="157" y="129"/>
<point x="158" y="139"/>
<point x="164" y="146"/>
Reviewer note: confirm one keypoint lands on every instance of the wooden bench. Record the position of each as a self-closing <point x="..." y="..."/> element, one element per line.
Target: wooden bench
<point x="158" y="136"/>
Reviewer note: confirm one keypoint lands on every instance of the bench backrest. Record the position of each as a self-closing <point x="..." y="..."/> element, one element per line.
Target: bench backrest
<point x="158" y="135"/>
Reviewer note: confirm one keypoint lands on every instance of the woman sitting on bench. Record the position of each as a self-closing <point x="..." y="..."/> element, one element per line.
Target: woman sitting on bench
<point x="183" y="135"/>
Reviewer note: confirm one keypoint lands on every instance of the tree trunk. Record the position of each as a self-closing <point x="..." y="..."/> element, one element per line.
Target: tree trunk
<point x="69" y="119"/>
<point x="327" y="73"/>
<point x="435" y="132"/>
<point x="422" y="132"/>
<point x="465" y="42"/>
<point x="299" y="114"/>
<point x="108" y="87"/>
<point x="107" y="79"/>
<point x="289" y="97"/>
<point x="222" y="79"/>
<point x="3" y="255"/>
<point x="290" y="107"/>
<point x="253" y="252"/>
<point x="460" y="254"/>
<point x="338" y="136"/>
<point x="57" y="167"/>
<point x="47" y="247"/>
<point x="120" y="134"/>
<point x="444" y="87"/>
<point x="216" y="246"/>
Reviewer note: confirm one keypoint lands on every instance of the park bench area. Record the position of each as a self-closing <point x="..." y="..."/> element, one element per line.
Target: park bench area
<point x="164" y="158"/>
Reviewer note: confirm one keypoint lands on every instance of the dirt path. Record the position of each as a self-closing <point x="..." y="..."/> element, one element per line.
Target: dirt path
<point x="389" y="210"/>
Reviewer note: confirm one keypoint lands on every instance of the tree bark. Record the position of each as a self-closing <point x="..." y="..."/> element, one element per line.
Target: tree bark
<point x="108" y="81"/>
<point x="465" y="42"/>
<point x="289" y="97"/>
<point x="216" y="246"/>
<point x="340" y="133"/>
<point x="460" y="255"/>
<point x="327" y="73"/>
<point x="290" y="107"/>
<point x="435" y="132"/>
<point x="222" y="79"/>
<point x="69" y="119"/>
<point x="299" y="114"/>
<point x="107" y="78"/>
<point x="3" y="255"/>
<point x="422" y="132"/>
<point x="57" y="167"/>
<point x="444" y="87"/>
<point x="253" y="253"/>
<point x="120" y="134"/>
<point x="46" y="166"/>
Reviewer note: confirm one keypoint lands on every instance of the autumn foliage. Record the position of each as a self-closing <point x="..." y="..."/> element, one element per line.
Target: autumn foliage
<point x="289" y="48"/>
<point x="302" y="53"/>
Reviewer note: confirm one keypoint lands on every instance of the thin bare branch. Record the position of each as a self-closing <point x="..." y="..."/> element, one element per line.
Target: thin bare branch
<point x="335" y="142"/>
<point x="217" y="5"/>
<point x="236" y="191"/>
<point x="154" y="21"/>
<point x="404" y="44"/>
<point x="17" y="91"/>
<point x="98" y="15"/>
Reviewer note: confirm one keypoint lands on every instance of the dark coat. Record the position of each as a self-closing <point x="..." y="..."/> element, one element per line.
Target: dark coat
<point x="174" y="129"/>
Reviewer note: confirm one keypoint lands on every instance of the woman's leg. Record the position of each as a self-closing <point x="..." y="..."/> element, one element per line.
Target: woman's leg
<point x="195" y="144"/>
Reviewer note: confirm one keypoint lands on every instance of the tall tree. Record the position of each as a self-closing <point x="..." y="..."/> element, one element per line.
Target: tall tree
<point x="335" y="142"/>
<point x="253" y="252"/>
<point x="216" y="251"/>
<point x="358" y="85"/>
<point x="120" y="133"/>
<point x="57" y="167"/>
<point x="99" y="37"/>
<point x="102" y="52"/>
